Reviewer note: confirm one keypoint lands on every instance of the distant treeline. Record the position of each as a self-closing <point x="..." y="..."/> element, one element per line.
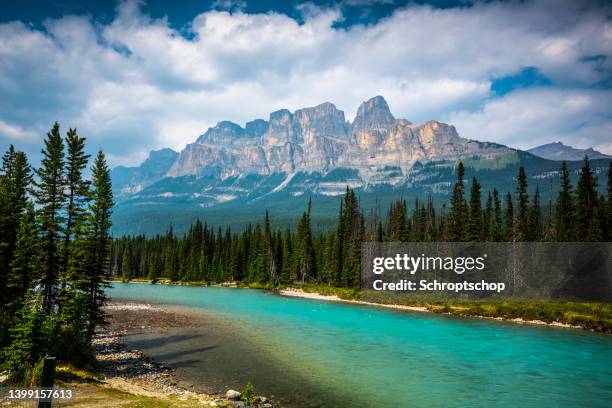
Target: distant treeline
<point x="261" y="254"/>
<point x="54" y="254"/>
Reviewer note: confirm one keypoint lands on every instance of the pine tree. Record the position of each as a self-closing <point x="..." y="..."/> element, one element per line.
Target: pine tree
<point x="522" y="197"/>
<point x="99" y="220"/>
<point x="586" y="202"/>
<point x="15" y="179"/>
<point x="77" y="187"/>
<point x="498" y="227"/>
<point x="26" y="263"/>
<point x="509" y="224"/>
<point x="474" y="231"/>
<point x="609" y="209"/>
<point x="488" y="222"/>
<point x="50" y="200"/>
<point x="304" y="251"/>
<point x="458" y="213"/>
<point x="564" y="214"/>
<point x="535" y="218"/>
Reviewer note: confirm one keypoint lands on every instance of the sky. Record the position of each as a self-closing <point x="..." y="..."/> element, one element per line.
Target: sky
<point x="133" y="76"/>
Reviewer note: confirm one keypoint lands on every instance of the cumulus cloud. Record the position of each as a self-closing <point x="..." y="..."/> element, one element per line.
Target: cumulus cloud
<point x="136" y="83"/>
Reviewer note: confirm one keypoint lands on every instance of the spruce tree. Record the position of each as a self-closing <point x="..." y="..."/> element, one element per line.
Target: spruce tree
<point x="609" y="208"/>
<point x="586" y="202"/>
<point x="522" y="197"/>
<point x="304" y="251"/>
<point x="488" y="222"/>
<point x="535" y="218"/>
<point x="474" y="231"/>
<point x="50" y="200"/>
<point x="15" y="179"/>
<point x="498" y="226"/>
<point x="77" y="186"/>
<point x="458" y="212"/>
<point x="26" y="264"/>
<point x="509" y="223"/>
<point x="99" y="220"/>
<point x="564" y="213"/>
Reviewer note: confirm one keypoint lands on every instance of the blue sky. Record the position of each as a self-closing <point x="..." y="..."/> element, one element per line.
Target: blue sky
<point x="134" y="76"/>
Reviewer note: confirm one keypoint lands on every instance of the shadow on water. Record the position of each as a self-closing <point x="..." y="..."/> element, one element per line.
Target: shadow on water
<point x="178" y="354"/>
<point x="214" y="360"/>
<point x="160" y="340"/>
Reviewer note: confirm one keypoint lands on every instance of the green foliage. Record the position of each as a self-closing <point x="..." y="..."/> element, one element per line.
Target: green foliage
<point x="55" y="255"/>
<point x="248" y="393"/>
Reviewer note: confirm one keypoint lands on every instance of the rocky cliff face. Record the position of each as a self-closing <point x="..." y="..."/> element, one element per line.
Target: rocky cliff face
<point x="129" y="180"/>
<point x="320" y="139"/>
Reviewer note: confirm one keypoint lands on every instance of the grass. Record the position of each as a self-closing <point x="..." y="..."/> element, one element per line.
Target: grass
<point x="90" y="391"/>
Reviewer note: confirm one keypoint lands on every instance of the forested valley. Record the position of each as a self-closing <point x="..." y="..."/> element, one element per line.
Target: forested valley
<point x="263" y="255"/>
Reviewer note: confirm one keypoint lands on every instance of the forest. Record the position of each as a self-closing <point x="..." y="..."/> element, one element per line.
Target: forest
<point x="263" y="255"/>
<point x="54" y="254"/>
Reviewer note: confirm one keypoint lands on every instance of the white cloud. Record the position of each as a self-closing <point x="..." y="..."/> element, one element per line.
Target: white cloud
<point x="15" y="132"/>
<point x="536" y="116"/>
<point x="138" y="84"/>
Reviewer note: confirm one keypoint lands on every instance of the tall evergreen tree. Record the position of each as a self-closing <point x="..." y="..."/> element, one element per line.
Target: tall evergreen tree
<point x="458" y="212"/>
<point x="99" y="222"/>
<point x="609" y="209"/>
<point x="586" y="202"/>
<point x="15" y="179"/>
<point x="498" y="227"/>
<point x="77" y="186"/>
<point x="509" y="224"/>
<point x="564" y="213"/>
<point x="50" y="200"/>
<point x="535" y="218"/>
<point x="304" y="248"/>
<point x="474" y="231"/>
<point x="522" y="197"/>
<point x="26" y="263"/>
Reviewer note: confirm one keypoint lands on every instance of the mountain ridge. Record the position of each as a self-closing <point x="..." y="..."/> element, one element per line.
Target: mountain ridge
<point x="560" y="151"/>
<point x="319" y="138"/>
<point x="231" y="174"/>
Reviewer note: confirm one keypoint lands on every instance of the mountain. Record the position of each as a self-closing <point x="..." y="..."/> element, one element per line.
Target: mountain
<point x="319" y="139"/>
<point x="231" y="174"/>
<point x="130" y="180"/>
<point x="559" y="151"/>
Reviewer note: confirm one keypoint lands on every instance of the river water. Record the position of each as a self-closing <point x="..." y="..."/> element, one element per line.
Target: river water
<point x="309" y="353"/>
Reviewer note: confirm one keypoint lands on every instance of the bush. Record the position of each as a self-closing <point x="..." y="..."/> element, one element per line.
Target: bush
<point x="248" y="394"/>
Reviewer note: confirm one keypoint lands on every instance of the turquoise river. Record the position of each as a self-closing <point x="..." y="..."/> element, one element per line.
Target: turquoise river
<point x="309" y="353"/>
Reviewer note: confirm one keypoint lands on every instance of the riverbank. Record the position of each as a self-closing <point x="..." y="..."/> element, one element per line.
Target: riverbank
<point x="593" y="316"/>
<point x="126" y="377"/>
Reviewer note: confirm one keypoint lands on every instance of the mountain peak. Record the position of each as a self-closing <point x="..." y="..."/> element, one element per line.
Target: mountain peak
<point x="373" y="114"/>
<point x="560" y="151"/>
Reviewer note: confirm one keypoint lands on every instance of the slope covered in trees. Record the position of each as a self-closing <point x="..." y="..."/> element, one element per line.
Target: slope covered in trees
<point x="54" y="253"/>
<point x="260" y="254"/>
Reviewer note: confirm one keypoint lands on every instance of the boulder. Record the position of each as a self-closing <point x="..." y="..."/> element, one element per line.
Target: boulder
<point x="233" y="395"/>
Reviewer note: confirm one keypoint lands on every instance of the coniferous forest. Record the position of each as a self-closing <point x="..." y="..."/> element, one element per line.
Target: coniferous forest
<point x="263" y="255"/>
<point x="54" y="253"/>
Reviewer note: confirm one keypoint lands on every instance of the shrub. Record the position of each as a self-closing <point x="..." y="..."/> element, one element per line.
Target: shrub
<point x="248" y="394"/>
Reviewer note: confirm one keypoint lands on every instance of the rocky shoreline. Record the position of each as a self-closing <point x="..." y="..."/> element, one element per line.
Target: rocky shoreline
<point x="134" y="372"/>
